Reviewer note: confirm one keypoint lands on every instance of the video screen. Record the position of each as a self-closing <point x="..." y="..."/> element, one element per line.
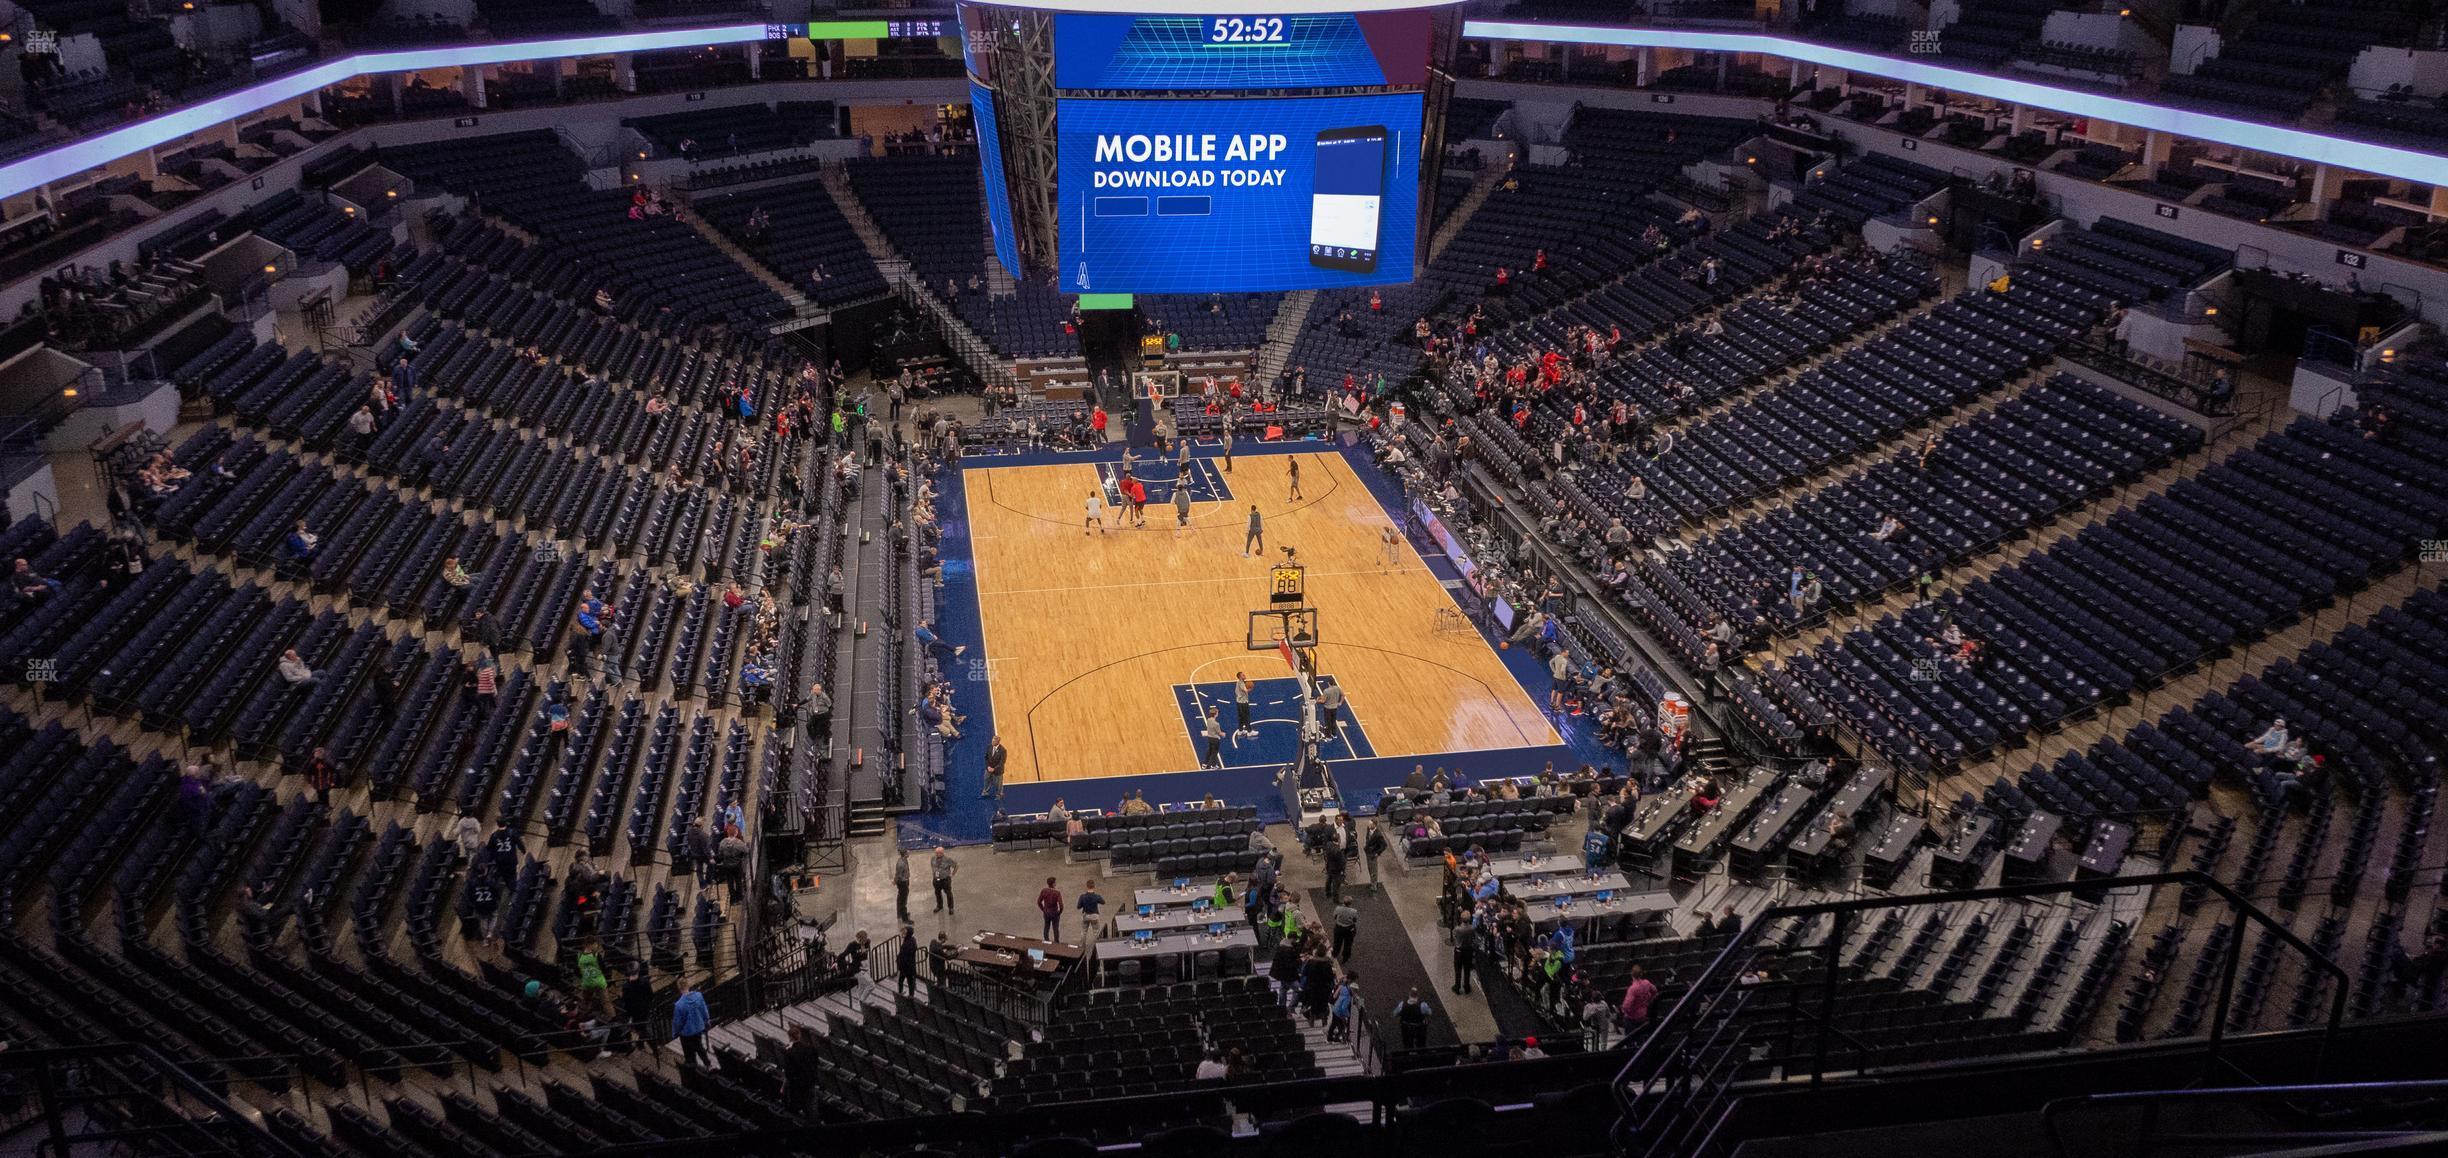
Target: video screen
<point x="1237" y="194"/>
<point x="1207" y="53"/>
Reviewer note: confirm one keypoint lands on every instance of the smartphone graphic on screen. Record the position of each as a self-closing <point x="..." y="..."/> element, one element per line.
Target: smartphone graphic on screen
<point x="1348" y="198"/>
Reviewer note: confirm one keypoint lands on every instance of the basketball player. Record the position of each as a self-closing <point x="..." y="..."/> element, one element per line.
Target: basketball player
<point x="1096" y="511"/>
<point x="1255" y="542"/>
<point x="1294" y="460"/>
<point x="1242" y="686"/>
<point x="1389" y="547"/>
<point x="1213" y="730"/>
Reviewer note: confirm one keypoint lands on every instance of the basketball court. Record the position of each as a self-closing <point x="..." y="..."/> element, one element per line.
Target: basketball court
<point x="1106" y="648"/>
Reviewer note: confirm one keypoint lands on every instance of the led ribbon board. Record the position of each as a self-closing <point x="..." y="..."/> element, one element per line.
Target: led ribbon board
<point x="2412" y="165"/>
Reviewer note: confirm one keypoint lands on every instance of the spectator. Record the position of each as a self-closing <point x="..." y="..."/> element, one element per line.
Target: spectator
<point x="1346" y="928"/>
<point x="1339" y="1014"/>
<point x="901" y="883"/>
<point x="297" y="548"/>
<point x="1465" y="955"/>
<point x="2420" y="970"/>
<point x="942" y="868"/>
<point x="939" y="956"/>
<point x="636" y="1007"/>
<point x="1412" y="1017"/>
<point x="819" y="714"/>
<point x="322" y="776"/>
<point x="996" y="758"/>
<point x="1091" y="905"/>
<point x="689" y="1020"/>
<point x="294" y="670"/>
<point x="699" y="845"/>
<point x="731" y="857"/>
<point x="593" y="986"/>
<point x="1633" y="1013"/>
<point x="905" y="961"/>
<point x="802" y="1073"/>
<point x="503" y="848"/>
<point x="469" y="833"/>
<point x="934" y="644"/>
<point x="1050" y="907"/>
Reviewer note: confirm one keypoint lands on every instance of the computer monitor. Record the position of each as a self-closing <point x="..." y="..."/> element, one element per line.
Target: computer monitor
<point x="1605" y="895"/>
<point x="1504" y="613"/>
<point x="1147" y="910"/>
<point x="1036" y="955"/>
<point x="1564" y="902"/>
<point x="1144" y="936"/>
<point x="1202" y="904"/>
<point x="1216" y="929"/>
<point x="1181" y="884"/>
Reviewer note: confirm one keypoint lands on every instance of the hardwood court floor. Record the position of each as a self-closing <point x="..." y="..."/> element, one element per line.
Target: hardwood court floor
<point x="1088" y="634"/>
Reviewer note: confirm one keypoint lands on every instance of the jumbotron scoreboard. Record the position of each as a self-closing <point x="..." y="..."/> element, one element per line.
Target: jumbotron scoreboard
<point x="1226" y="151"/>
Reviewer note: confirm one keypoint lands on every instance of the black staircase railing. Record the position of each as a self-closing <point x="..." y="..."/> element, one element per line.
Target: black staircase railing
<point x="2332" y="1115"/>
<point x="126" y="1098"/>
<point x="1767" y="1009"/>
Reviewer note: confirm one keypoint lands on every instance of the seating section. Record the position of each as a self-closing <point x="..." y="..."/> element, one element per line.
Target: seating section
<point x="1958" y="982"/>
<point x="2288" y="53"/>
<point x="803" y="239"/>
<point x="521" y="19"/>
<point x="1136" y="840"/>
<point x="2047" y="451"/>
<point x="2122" y="605"/>
<point x="2399" y="120"/>
<point x="1592" y="217"/>
<point x="1498" y="826"/>
<point x="1148" y="1039"/>
<point x="323" y="232"/>
<point x="933" y="209"/>
<point x="737" y="129"/>
<point x="1990" y="32"/>
<point x="657" y="270"/>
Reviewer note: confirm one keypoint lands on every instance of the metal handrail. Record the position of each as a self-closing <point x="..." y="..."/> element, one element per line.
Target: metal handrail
<point x="243" y="1133"/>
<point x="1662" y="1065"/>
<point x="2053" y="1113"/>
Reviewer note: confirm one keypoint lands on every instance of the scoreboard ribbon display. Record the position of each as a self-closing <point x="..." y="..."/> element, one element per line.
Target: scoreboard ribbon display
<point x="1257" y="51"/>
<point x="1238" y="194"/>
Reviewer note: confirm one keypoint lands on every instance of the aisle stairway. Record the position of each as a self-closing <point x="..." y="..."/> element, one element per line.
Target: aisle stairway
<point x="965" y="341"/>
<point x="1485" y="183"/>
<point x="800" y="306"/>
<point x="1275" y="353"/>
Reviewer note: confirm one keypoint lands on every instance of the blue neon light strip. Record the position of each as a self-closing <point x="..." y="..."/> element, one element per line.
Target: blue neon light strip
<point x="2364" y="156"/>
<point x="77" y="156"/>
<point x="2425" y="168"/>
